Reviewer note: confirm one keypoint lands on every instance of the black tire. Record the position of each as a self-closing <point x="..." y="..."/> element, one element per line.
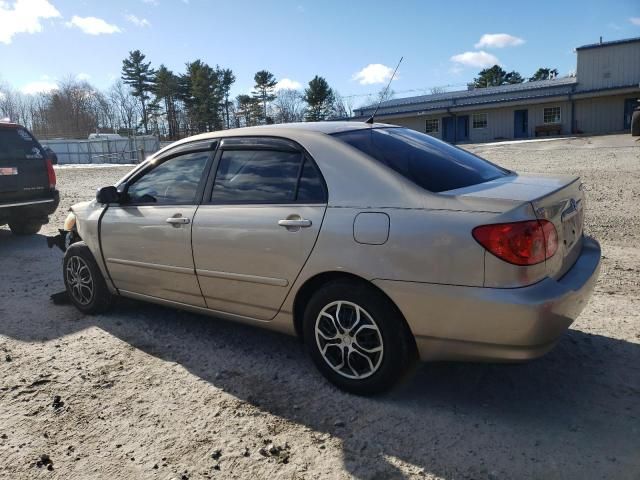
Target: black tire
<point x="635" y="124"/>
<point x="398" y="352"/>
<point x="27" y="227"/>
<point x="79" y="259"/>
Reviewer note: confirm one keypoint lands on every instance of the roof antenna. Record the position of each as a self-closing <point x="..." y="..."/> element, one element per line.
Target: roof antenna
<point x="371" y="119"/>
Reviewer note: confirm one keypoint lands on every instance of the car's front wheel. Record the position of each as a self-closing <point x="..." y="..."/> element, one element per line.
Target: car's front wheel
<point x="25" y="227"/>
<point x="84" y="281"/>
<point x="357" y="338"/>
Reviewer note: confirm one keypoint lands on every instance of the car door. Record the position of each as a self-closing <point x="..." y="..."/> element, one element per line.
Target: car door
<point x="146" y="240"/>
<point x="259" y="222"/>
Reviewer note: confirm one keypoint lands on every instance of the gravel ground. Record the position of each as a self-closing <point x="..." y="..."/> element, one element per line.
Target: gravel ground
<point x="148" y="392"/>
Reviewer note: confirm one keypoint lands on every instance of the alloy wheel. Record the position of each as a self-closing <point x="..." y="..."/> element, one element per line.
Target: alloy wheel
<point x="79" y="280"/>
<point x="349" y="340"/>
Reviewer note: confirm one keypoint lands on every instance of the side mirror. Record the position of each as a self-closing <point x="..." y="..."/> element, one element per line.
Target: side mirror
<point x="108" y="195"/>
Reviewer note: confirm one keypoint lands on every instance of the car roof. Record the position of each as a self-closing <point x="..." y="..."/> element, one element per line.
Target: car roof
<point x="286" y="130"/>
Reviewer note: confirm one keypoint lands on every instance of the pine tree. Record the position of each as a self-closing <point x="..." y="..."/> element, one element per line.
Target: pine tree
<point x="544" y="74"/>
<point x="319" y="98"/>
<point x="264" y="89"/>
<point x="166" y="89"/>
<point x="495" y="76"/>
<point x="139" y="76"/>
<point x="227" y="78"/>
<point x="200" y="92"/>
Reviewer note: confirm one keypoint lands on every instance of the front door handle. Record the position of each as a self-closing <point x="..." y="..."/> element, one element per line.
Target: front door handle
<point x="178" y="219"/>
<point x="295" y="223"/>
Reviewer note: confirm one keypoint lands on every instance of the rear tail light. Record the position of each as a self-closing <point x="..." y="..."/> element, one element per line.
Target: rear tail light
<point x="51" y="173"/>
<point x="519" y="243"/>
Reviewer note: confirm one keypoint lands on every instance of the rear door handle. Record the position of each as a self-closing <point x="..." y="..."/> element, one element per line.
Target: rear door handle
<point x="295" y="223"/>
<point x="178" y="220"/>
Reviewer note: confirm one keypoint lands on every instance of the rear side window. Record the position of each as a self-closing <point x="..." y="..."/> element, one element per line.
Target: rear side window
<point x="266" y="176"/>
<point x="430" y="163"/>
<point x="18" y="144"/>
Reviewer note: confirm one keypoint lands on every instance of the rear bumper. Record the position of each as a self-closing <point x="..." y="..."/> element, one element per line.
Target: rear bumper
<point x="491" y="324"/>
<point x="39" y="208"/>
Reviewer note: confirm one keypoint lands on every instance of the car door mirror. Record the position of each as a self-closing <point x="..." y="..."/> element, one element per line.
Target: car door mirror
<point x="108" y="194"/>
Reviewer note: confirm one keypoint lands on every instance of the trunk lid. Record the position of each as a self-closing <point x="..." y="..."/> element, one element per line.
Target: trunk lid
<point x="559" y="199"/>
<point x="23" y="170"/>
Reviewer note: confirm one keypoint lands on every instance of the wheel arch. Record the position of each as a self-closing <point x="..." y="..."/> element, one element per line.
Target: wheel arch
<point x="312" y="284"/>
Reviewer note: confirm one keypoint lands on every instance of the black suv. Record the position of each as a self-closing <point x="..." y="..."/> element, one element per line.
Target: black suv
<point x="28" y="192"/>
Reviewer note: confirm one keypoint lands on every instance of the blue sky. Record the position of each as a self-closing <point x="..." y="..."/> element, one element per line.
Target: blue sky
<point x="353" y="44"/>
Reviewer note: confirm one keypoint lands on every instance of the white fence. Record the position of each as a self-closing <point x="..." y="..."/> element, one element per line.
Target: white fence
<point x="104" y="150"/>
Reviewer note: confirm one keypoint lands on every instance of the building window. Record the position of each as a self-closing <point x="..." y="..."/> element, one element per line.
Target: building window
<point x="551" y="115"/>
<point x="480" y="120"/>
<point x="433" y="125"/>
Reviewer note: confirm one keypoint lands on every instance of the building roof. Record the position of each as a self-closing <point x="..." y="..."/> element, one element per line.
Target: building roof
<point x="478" y="95"/>
<point x="608" y="44"/>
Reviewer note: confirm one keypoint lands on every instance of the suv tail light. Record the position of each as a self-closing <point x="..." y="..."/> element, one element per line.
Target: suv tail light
<point x="51" y="173"/>
<point x="519" y="243"/>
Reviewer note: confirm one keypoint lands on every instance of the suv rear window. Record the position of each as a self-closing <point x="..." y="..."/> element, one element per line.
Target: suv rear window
<point x="18" y="144"/>
<point x="428" y="162"/>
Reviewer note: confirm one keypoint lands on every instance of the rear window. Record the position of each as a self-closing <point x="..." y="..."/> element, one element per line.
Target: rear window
<point x="430" y="163"/>
<point x="18" y="144"/>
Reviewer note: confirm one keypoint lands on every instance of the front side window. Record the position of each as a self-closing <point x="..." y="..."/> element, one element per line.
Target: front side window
<point x="480" y="120"/>
<point x="426" y="161"/>
<point x="433" y="125"/>
<point x="551" y="115"/>
<point x="174" y="181"/>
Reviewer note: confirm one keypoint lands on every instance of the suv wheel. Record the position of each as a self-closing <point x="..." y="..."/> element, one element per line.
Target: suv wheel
<point x="357" y="338"/>
<point x="84" y="281"/>
<point x="27" y="227"/>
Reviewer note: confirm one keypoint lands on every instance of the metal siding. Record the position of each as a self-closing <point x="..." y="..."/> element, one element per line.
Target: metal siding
<point x="601" y="114"/>
<point x="621" y="62"/>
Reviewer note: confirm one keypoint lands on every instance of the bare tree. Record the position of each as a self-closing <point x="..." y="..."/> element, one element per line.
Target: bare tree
<point x="288" y="106"/>
<point x="436" y="90"/>
<point x="126" y="107"/>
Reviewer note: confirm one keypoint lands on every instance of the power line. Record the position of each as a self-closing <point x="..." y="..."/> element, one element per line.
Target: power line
<point x="412" y="90"/>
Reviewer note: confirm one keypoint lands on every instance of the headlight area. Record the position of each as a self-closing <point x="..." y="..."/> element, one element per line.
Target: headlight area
<point x="67" y="235"/>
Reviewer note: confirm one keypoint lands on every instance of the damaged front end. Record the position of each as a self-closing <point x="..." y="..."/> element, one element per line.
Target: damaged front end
<point x="67" y="235"/>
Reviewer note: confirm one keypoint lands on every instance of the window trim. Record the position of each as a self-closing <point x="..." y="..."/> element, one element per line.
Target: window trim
<point x="266" y="144"/>
<point x="437" y="130"/>
<point x="486" y="115"/>
<point x="559" y="107"/>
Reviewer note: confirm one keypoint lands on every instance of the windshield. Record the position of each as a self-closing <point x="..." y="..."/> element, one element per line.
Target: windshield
<point x="430" y="163"/>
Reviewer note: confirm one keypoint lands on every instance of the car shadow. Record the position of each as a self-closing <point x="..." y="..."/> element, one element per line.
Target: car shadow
<point x="575" y="413"/>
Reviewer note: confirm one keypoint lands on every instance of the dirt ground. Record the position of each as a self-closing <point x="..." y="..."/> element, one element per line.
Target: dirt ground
<point x="148" y="392"/>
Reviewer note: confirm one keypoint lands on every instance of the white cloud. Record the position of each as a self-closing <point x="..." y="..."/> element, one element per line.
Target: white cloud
<point x="92" y="25"/>
<point x="138" y="22"/>
<point x="498" y="40"/>
<point x="288" y="84"/>
<point x="155" y="3"/>
<point x="83" y="77"/>
<point x="39" y="86"/>
<point x="635" y="20"/>
<point x="24" y="17"/>
<point x="475" y="59"/>
<point x="373" y="73"/>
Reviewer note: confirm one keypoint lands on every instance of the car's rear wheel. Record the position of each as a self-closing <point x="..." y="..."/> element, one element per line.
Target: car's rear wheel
<point x="84" y="281"/>
<point x="357" y="338"/>
<point x="25" y="227"/>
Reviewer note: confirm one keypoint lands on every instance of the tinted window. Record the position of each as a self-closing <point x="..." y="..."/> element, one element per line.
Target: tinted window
<point x="17" y="143"/>
<point x="256" y="176"/>
<point x="311" y="187"/>
<point x="426" y="161"/>
<point x="172" y="182"/>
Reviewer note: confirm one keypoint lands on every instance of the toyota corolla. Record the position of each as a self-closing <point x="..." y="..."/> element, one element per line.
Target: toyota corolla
<point x="377" y="245"/>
